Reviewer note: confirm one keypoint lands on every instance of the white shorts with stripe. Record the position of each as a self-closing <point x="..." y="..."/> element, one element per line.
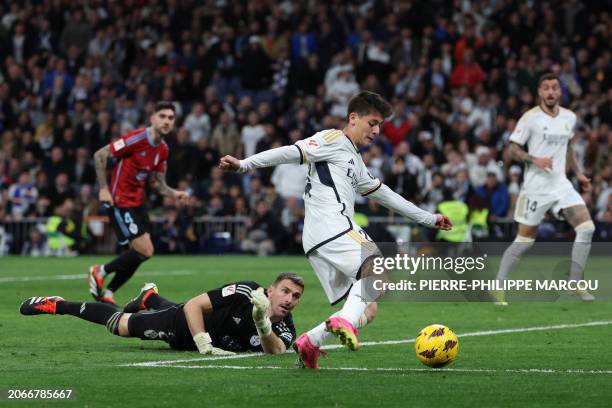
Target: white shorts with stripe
<point x="337" y="264"/>
<point x="531" y="207"/>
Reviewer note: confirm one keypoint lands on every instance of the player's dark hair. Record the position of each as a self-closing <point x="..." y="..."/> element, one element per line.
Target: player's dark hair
<point x="367" y="102"/>
<point x="293" y="277"/>
<point x="161" y="105"/>
<point x="549" y="77"/>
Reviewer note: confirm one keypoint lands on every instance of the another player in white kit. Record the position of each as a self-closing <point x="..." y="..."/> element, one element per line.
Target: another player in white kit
<point x="546" y="131"/>
<point x="339" y="251"/>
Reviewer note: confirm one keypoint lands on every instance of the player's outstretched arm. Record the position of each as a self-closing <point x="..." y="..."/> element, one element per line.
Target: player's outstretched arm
<point x="100" y="159"/>
<point x="393" y="201"/>
<point x="163" y="188"/>
<point x="194" y="310"/>
<point x="518" y="153"/>
<point x="270" y="342"/>
<point x="268" y="158"/>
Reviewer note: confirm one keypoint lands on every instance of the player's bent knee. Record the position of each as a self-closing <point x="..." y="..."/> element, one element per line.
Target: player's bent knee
<point x="143" y="246"/>
<point x="147" y="252"/>
<point x="112" y="325"/>
<point x="527" y="231"/>
<point x="585" y="231"/>
<point x="524" y="239"/>
<point x="123" y="325"/>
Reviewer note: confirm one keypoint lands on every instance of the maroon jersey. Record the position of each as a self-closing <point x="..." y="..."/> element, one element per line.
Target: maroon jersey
<point x="137" y="157"/>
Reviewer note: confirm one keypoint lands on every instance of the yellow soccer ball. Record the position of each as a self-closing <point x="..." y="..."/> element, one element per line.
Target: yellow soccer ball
<point x="436" y="346"/>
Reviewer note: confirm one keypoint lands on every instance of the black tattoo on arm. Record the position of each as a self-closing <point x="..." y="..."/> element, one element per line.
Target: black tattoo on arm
<point x="518" y="153"/>
<point x="571" y="160"/>
<point x="161" y="185"/>
<point x="100" y="160"/>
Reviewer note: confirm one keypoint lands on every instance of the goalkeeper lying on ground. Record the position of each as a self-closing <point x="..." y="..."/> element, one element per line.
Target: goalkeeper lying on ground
<point x="241" y="316"/>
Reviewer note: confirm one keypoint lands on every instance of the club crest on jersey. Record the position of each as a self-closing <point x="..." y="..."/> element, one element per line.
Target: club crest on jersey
<point x="228" y="290"/>
<point x="133" y="229"/>
<point x="143" y="154"/>
<point x="313" y="143"/>
<point x="255" y="341"/>
<point x="119" y="144"/>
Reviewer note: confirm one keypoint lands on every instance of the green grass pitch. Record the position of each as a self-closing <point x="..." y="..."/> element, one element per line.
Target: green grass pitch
<point x="569" y="365"/>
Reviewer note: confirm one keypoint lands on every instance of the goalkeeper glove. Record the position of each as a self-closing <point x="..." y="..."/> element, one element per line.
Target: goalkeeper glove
<point x="204" y="343"/>
<point x="261" y="304"/>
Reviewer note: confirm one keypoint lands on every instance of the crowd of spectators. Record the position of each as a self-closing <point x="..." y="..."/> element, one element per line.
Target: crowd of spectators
<point x="247" y="76"/>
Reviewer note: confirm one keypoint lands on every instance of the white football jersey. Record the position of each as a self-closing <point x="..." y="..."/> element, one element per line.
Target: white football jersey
<point x="336" y="172"/>
<point x="545" y="136"/>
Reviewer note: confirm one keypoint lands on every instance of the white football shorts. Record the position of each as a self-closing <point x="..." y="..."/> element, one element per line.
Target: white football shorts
<point x="531" y="207"/>
<point x="337" y="263"/>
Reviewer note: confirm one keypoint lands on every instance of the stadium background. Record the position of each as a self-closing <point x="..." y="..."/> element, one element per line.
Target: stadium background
<point x="248" y="76"/>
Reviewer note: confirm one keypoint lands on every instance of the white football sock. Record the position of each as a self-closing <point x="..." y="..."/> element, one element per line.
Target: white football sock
<point x="512" y="255"/>
<point x="581" y="249"/>
<point x="363" y="321"/>
<point x="319" y="335"/>
<point x="360" y="295"/>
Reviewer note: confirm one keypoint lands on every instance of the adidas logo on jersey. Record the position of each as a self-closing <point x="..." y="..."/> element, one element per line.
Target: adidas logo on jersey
<point x="237" y="320"/>
<point x="351" y="162"/>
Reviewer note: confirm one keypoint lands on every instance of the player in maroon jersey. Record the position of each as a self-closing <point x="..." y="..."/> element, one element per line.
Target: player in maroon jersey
<point x="138" y="153"/>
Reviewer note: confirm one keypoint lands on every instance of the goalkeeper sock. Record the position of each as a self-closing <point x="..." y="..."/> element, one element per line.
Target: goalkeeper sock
<point x="116" y="264"/>
<point x="124" y="265"/>
<point x="512" y="255"/>
<point x="102" y="272"/>
<point x="95" y="312"/>
<point x="581" y="249"/>
<point x="156" y="302"/>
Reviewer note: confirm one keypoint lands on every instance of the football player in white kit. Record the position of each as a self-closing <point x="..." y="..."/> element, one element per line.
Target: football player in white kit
<point x="339" y="251"/>
<point x="545" y="131"/>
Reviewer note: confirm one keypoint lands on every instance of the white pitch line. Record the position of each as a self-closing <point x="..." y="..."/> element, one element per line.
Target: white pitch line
<point x="405" y="369"/>
<point x="489" y="333"/>
<point x="191" y="360"/>
<point x="380" y="343"/>
<point x="84" y="276"/>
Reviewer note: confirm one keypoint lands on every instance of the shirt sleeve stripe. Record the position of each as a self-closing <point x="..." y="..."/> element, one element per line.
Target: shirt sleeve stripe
<point x="244" y="289"/>
<point x="373" y="190"/>
<point x="333" y="136"/>
<point x="327" y="133"/>
<point x="247" y="294"/>
<point x="135" y="138"/>
<point x="301" y="154"/>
